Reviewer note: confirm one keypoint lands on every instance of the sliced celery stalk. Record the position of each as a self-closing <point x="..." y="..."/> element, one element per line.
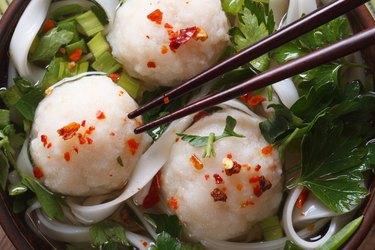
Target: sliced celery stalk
<point x="65" y="11"/>
<point x="271" y="228"/>
<point x="83" y="67"/>
<point x="106" y="63"/>
<point x="98" y="45"/>
<point x="72" y="27"/>
<point x="89" y="24"/>
<point x="77" y="45"/>
<point x="131" y="85"/>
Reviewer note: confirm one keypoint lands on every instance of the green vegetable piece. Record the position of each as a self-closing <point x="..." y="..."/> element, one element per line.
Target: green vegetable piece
<point x="290" y="245"/>
<point x="201" y="141"/>
<point x="70" y="26"/>
<point x="50" y="202"/>
<point x="98" y="45"/>
<point x="49" y="44"/>
<point x="29" y="102"/>
<point x="77" y="45"/>
<point x="10" y="96"/>
<point x="4" y="170"/>
<point x="271" y="228"/>
<point x="17" y="189"/>
<point x="83" y="67"/>
<point x="165" y="223"/>
<point x="210" y="150"/>
<point x="65" y="11"/>
<point x="108" y="232"/>
<point x="232" y="6"/>
<point x="164" y="241"/>
<point x="89" y="24"/>
<point x="106" y="63"/>
<point x="342" y="236"/>
<point x="100" y="14"/>
<point x="4" y="117"/>
<point x="131" y="85"/>
<point x="52" y="74"/>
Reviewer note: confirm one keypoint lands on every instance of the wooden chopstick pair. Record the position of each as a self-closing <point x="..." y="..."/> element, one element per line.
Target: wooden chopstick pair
<point x="297" y="66"/>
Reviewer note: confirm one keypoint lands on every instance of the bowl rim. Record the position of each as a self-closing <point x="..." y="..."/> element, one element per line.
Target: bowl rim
<point x="360" y="18"/>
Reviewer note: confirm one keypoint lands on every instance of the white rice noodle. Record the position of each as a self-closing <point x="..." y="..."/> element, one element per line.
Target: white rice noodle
<point x="279" y="8"/>
<point x="23" y="36"/>
<point x="337" y="222"/>
<point x="83" y="3"/>
<point x="298" y="8"/>
<point x="235" y="104"/>
<point x="140" y="216"/>
<point x="148" y="165"/>
<point x="266" y="245"/>
<point x="23" y="160"/>
<point x="286" y="91"/>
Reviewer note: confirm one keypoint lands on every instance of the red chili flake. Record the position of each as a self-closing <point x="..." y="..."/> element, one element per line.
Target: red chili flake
<point x="153" y="194"/>
<point x="100" y="115"/>
<point x="62" y="51"/>
<point x="206" y="176"/>
<point x="164" y="49"/>
<point x="90" y="130"/>
<point x="200" y="34"/>
<point x="239" y="186"/>
<point x="173" y="203"/>
<point x="75" y="149"/>
<point x="267" y="150"/>
<point x="168" y="26"/>
<point x="48" y="25"/>
<point x="247" y="203"/>
<point x="257" y="168"/>
<point x="89" y="140"/>
<point x="246" y="166"/>
<point x="254" y="179"/>
<point x="223" y="171"/>
<point x="218" y="179"/>
<point x="38" y="173"/>
<point x="182" y="36"/>
<point x="148" y="37"/>
<point x="151" y="64"/>
<point x="196" y="162"/>
<point x="234" y="170"/>
<point x="257" y="191"/>
<point x="302" y="198"/>
<point x="177" y="139"/>
<point x="219" y="195"/>
<point x="144" y="243"/>
<point x="67" y="156"/>
<point x="166" y="100"/>
<point x="230" y="156"/>
<point x="200" y="115"/>
<point x="255" y="100"/>
<point x="114" y="77"/>
<point x="121" y="93"/>
<point x="81" y="138"/>
<point x="49" y="145"/>
<point x="264" y="183"/>
<point x="112" y="134"/>
<point x="133" y="146"/>
<point x="83" y="123"/>
<point x="44" y="139"/>
<point x="68" y="131"/>
<point x="156" y="16"/>
<point x="76" y="55"/>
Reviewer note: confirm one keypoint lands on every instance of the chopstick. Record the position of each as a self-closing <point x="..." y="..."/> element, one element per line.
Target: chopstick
<point x="288" y="33"/>
<point x="297" y="66"/>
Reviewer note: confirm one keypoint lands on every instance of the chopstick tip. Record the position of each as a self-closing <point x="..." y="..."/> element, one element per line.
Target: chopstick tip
<point x="133" y="114"/>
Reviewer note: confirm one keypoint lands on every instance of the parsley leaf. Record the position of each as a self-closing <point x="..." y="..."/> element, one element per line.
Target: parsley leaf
<point x="165" y="223"/>
<point x="232" y="6"/>
<point x="165" y="241"/>
<point x="333" y="157"/>
<point x="108" y="234"/>
<point x="50" y="202"/>
<point x="201" y="141"/>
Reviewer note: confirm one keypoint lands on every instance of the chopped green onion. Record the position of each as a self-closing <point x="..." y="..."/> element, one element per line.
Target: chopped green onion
<point x="106" y="63"/>
<point x="77" y="45"/>
<point x="89" y="24"/>
<point x="271" y="228"/>
<point x="131" y="85"/>
<point x="70" y="26"/>
<point x="210" y="150"/>
<point x="342" y="236"/>
<point x="66" y="11"/>
<point x="98" y="45"/>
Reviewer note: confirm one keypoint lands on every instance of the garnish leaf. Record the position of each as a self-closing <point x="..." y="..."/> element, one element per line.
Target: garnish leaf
<point x="164" y="241"/>
<point x="108" y="234"/>
<point x="51" y="204"/>
<point x="29" y="102"/>
<point x="165" y="223"/>
<point x="232" y="6"/>
<point x="49" y="44"/>
<point x="202" y="141"/>
<point x="4" y="170"/>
